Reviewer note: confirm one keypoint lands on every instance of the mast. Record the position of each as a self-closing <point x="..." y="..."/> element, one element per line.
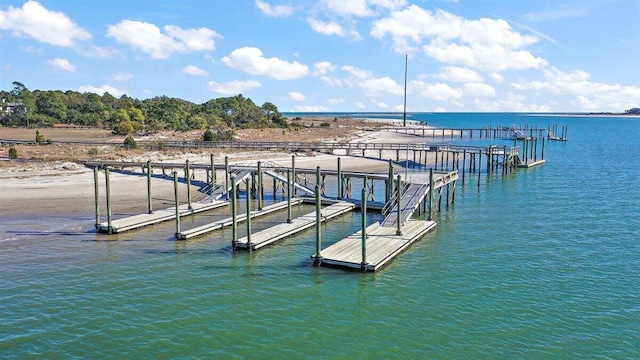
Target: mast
<point x="404" y="113"/>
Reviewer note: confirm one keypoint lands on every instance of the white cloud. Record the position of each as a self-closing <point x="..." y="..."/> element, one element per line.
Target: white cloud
<point x="62" y="64"/>
<point x="335" y="101"/>
<point x="563" y="11"/>
<point x="251" y="61"/>
<point x="332" y="82"/>
<point x="360" y="105"/>
<point x="234" y="87"/>
<point x="382" y="105"/>
<point x="323" y="68"/>
<point x="497" y="77"/>
<point x="511" y="103"/>
<point x="122" y="77"/>
<point x="487" y="44"/>
<point x="101" y="90"/>
<point x="310" y="108"/>
<point x="275" y="11"/>
<point x="589" y="95"/>
<point x="333" y="28"/>
<point x="297" y="96"/>
<point x="31" y="49"/>
<point x="35" y="21"/>
<point x="459" y="74"/>
<point x="438" y="91"/>
<point x="149" y="39"/>
<point x="194" y="70"/>
<point x="357" y="72"/>
<point x="479" y="89"/>
<point x="348" y="8"/>
<point x="380" y="86"/>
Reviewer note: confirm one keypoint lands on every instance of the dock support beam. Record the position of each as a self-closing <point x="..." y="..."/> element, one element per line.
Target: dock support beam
<point x="398" y="198"/>
<point x="108" y="186"/>
<point x="187" y="172"/>
<point x="177" y="203"/>
<point x="318" y="259"/>
<point x="234" y="219"/>
<point x="96" y="189"/>
<point x="363" y="263"/>
<point x="248" y="185"/>
<point x="149" y="209"/>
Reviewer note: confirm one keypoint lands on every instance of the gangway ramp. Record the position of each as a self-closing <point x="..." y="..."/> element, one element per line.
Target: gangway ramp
<point x="283" y="230"/>
<point x="409" y="203"/>
<point x="284" y="180"/>
<point x="219" y="189"/>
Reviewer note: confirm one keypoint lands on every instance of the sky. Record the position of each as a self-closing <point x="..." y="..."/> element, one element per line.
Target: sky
<point x="333" y="55"/>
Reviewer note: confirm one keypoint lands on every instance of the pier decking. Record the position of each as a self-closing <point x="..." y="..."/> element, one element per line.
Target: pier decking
<point x="157" y="216"/>
<point x="382" y="245"/>
<point x="281" y="231"/>
<point x="217" y="225"/>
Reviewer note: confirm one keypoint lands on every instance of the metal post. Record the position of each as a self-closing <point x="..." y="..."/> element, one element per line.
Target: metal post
<point x="97" y="196"/>
<point x="389" y="192"/>
<point x="464" y="160"/>
<point x="106" y="179"/>
<point x="479" y="165"/>
<point x="177" y="203"/>
<point x="399" y="194"/>
<point x="542" y="148"/>
<point x="288" y="197"/>
<point x="363" y="236"/>
<point x="234" y="219"/>
<point x="317" y="179"/>
<point x="318" y="258"/>
<point x="149" y="208"/>
<point x="248" y="184"/>
<point x="187" y="175"/>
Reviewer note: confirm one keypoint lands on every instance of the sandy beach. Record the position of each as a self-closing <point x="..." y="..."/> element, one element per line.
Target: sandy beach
<point x="55" y="187"/>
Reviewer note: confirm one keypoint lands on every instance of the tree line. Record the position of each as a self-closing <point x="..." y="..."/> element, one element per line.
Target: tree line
<point x="125" y="115"/>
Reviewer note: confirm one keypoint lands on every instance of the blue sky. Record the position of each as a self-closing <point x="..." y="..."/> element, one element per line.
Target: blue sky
<point x="333" y="55"/>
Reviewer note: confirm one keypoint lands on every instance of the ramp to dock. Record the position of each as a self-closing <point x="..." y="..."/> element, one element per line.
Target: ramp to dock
<point x="284" y="180"/>
<point x="281" y="231"/>
<point x="409" y="203"/>
<point x="216" y="225"/>
<point x="382" y="245"/>
<point x="219" y="190"/>
<point x="158" y="216"/>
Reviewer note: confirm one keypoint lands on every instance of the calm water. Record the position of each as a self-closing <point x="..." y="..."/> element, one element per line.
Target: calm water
<point x="544" y="263"/>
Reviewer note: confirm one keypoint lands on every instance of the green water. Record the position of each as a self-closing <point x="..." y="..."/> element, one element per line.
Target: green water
<point x="544" y="263"/>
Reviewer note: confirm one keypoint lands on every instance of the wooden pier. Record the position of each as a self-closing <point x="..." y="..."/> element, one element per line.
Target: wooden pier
<point x="141" y="220"/>
<point x="382" y="245"/>
<point x="301" y="223"/>
<point x="217" y="225"/>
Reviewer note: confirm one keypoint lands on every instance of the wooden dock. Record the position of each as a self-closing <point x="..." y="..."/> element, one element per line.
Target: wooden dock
<point x="281" y="231"/>
<point x="217" y="225"/>
<point x="157" y="216"/>
<point x="530" y="163"/>
<point x="382" y="245"/>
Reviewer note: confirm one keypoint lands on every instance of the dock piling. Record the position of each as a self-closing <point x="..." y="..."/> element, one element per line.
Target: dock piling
<point x="234" y="219"/>
<point x="177" y="203"/>
<point x="96" y="189"/>
<point x="248" y="204"/>
<point x="398" y="199"/>
<point x="108" y="194"/>
<point x="226" y="177"/>
<point x="363" y="263"/>
<point x="187" y="173"/>
<point x="318" y="259"/>
<point x="288" y="197"/>
<point x="149" y="209"/>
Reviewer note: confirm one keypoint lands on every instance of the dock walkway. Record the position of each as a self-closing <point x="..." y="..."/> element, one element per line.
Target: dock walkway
<point x="157" y="216"/>
<point x="409" y="203"/>
<point x="281" y="231"/>
<point x="217" y="225"/>
<point x="382" y="245"/>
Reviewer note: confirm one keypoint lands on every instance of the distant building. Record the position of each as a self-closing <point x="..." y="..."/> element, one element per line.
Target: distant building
<point x="9" y="107"/>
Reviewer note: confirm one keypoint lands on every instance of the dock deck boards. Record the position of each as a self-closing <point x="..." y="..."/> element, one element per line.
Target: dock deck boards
<point x="216" y="225"/>
<point x="141" y="220"/>
<point x="281" y="231"/>
<point x="382" y="245"/>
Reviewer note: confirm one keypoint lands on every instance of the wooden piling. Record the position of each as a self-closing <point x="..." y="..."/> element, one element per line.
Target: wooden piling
<point x="363" y="233"/>
<point x="187" y="173"/>
<point x="234" y="217"/>
<point x="479" y="166"/>
<point x="260" y="190"/>
<point x="108" y="194"/>
<point x="339" y="179"/>
<point x="318" y="258"/>
<point x="96" y="189"/>
<point x="226" y="177"/>
<point x="288" y="197"/>
<point x="248" y="205"/>
<point x="149" y="209"/>
<point x="177" y="203"/>
<point x="398" y="198"/>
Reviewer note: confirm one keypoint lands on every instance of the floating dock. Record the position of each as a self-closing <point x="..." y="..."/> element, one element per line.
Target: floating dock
<point x="217" y="225"/>
<point x="157" y="216"/>
<point x="530" y="163"/>
<point x="382" y="245"/>
<point x="281" y="231"/>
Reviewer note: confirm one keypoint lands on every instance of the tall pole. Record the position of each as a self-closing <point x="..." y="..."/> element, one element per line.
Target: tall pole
<point x="97" y="196"/>
<point x="404" y="113"/>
